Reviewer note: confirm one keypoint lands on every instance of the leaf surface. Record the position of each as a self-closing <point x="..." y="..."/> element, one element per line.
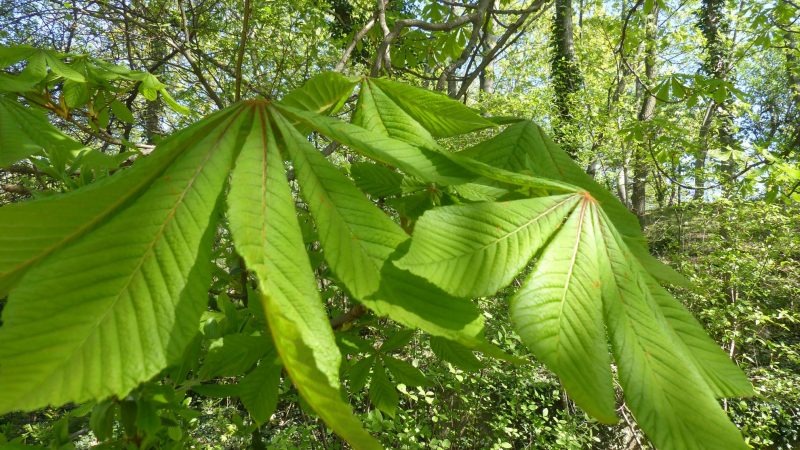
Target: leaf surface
<point x="120" y="304"/>
<point x="667" y="395"/>
<point x="474" y="250"/>
<point x="82" y="210"/>
<point x="558" y="313"/>
<point x="267" y="234"/>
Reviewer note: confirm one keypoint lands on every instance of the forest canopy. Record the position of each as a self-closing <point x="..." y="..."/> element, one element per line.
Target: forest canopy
<point x="391" y="224"/>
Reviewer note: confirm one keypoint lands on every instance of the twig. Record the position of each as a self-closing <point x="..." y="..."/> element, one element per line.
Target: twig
<point x="240" y="54"/>
<point x="354" y="313"/>
<point x="350" y="47"/>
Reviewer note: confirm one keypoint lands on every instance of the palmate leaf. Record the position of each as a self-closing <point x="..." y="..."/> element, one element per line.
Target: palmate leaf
<point x="524" y="147"/>
<point x="439" y="114"/>
<point x="474" y="250"/>
<point x="28" y="233"/>
<point x="111" y="310"/>
<point x="25" y="132"/>
<point x="259" y="391"/>
<point x="558" y="313"/>
<point x="267" y="234"/>
<point x="586" y="280"/>
<point x="376" y="180"/>
<point x="323" y="94"/>
<point x="663" y="387"/>
<point x="359" y="239"/>
<point x="430" y="165"/>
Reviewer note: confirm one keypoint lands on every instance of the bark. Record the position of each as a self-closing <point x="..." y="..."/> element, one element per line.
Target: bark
<point x="646" y="113"/>
<point x="566" y="77"/>
<point x="488" y="42"/>
<point x="715" y="26"/>
<point x="793" y="78"/>
<point x="154" y="109"/>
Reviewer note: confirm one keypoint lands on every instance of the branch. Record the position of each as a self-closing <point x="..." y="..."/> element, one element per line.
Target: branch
<point x="15" y="189"/>
<point x="350" y="47"/>
<point x="240" y="54"/>
<point x="340" y="321"/>
<point x="505" y="41"/>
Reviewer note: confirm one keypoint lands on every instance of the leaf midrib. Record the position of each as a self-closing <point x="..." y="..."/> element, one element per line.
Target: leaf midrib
<point x="502" y="237"/>
<point x="145" y="255"/>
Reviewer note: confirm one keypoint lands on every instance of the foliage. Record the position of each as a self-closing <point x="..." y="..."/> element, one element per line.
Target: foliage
<point x="155" y="221"/>
<point x="368" y="258"/>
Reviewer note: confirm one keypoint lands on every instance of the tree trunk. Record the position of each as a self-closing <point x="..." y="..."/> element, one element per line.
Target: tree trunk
<point x="154" y="109"/>
<point x="488" y="42"/>
<point x="646" y="113"/>
<point x="566" y="78"/>
<point x="715" y="26"/>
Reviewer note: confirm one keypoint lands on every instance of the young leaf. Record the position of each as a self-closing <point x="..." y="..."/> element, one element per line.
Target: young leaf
<point x="232" y="355"/>
<point x="404" y="372"/>
<point x="376" y="180"/>
<point x="266" y="233"/>
<point x="439" y="114"/>
<point x="474" y="250"/>
<point x="359" y="373"/>
<point x="259" y="390"/>
<point x="524" y="147"/>
<point x="454" y="353"/>
<point x="69" y="332"/>
<point x="359" y="239"/>
<point x="377" y="112"/>
<point x="427" y="165"/>
<point x="25" y="131"/>
<point x="81" y="211"/>
<point x="716" y="368"/>
<point x="668" y="397"/>
<point x="382" y="392"/>
<point x="356" y="236"/>
<point x="323" y="93"/>
<point x="558" y="313"/>
<point x="121" y="111"/>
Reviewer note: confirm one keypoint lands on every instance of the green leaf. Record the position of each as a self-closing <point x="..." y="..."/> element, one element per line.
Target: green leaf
<point x="121" y="111"/>
<point x="76" y="94"/>
<point x="428" y="165"/>
<point x="404" y="372"/>
<point x="558" y="313"/>
<point x="415" y="302"/>
<point x="121" y="303"/>
<point x="397" y="340"/>
<point x="83" y="210"/>
<point x="716" y="368"/>
<point x="258" y="390"/>
<point x="26" y="131"/>
<point x="524" y="147"/>
<point x="474" y="250"/>
<point x="356" y="236"/>
<point x="36" y="68"/>
<point x="439" y="114"/>
<point x="13" y="54"/>
<point x="382" y="392"/>
<point x="454" y="353"/>
<point x="266" y="233"/>
<point x="213" y="390"/>
<point x="232" y="355"/>
<point x="101" y="421"/>
<point x="377" y="112"/>
<point x="173" y="105"/>
<point x="668" y="397"/>
<point x="359" y="372"/>
<point x="358" y="240"/>
<point x="376" y="180"/>
<point x="61" y="69"/>
<point x="323" y="93"/>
